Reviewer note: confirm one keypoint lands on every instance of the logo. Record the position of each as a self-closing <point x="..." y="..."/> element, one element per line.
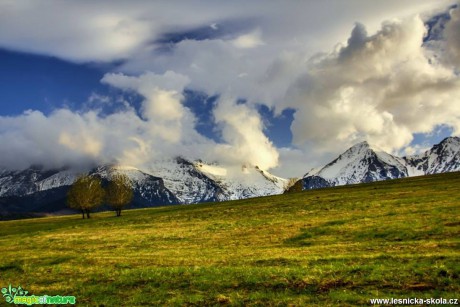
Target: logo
<point x="19" y="296"/>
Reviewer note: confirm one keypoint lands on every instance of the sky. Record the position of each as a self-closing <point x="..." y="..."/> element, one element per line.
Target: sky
<point x="284" y="85"/>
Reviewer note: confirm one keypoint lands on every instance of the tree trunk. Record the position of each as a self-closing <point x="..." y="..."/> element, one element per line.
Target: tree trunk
<point x="118" y="212"/>
<point x="87" y="214"/>
<point x="83" y="214"/>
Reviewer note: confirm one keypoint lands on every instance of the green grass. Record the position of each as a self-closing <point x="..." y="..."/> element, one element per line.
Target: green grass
<point x="338" y="246"/>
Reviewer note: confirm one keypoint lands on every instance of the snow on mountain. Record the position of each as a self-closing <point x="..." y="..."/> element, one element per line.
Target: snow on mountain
<point x="441" y="158"/>
<point x="179" y="181"/>
<point x="33" y="179"/>
<point x="187" y="183"/>
<point x="243" y="183"/>
<point x="360" y="163"/>
<point x="366" y="163"/>
<point x="61" y="178"/>
<point x="195" y="182"/>
<point x="169" y="181"/>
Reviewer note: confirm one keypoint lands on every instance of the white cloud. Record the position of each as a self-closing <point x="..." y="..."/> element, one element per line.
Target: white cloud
<point x="59" y="139"/>
<point x="249" y="40"/>
<point x="162" y="107"/>
<point x="68" y="138"/>
<point x="414" y="150"/>
<point x="292" y="163"/>
<point x="75" y="31"/>
<point x="242" y="129"/>
<point x="379" y="87"/>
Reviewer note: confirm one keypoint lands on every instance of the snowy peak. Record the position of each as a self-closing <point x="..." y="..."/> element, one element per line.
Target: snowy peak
<point x="360" y="163"/>
<point x="365" y="163"/>
<point x="362" y="148"/>
<point x="244" y="182"/>
<point x="448" y="148"/>
<point x="358" y="148"/>
<point x="441" y="158"/>
<point x="278" y="181"/>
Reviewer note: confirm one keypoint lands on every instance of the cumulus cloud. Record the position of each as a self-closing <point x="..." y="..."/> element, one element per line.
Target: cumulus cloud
<point x="242" y="129"/>
<point x="64" y="138"/>
<point x="67" y="138"/>
<point x="164" y="128"/>
<point x="379" y="87"/>
<point x="162" y="107"/>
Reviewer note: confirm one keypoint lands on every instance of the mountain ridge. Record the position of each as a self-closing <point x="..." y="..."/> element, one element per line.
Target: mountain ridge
<point x="166" y="182"/>
<point x="181" y="181"/>
<point x="364" y="163"/>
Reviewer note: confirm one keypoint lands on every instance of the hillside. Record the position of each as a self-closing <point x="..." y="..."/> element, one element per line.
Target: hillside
<point x="335" y="246"/>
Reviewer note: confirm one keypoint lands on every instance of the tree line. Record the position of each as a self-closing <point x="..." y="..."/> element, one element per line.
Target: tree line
<point x="87" y="193"/>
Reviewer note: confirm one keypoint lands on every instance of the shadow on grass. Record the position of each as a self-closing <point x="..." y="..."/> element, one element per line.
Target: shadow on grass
<point x="303" y="239"/>
<point x="12" y="266"/>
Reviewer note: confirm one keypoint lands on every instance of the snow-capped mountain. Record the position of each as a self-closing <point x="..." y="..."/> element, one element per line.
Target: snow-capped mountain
<point x="38" y="190"/>
<point x="244" y="183"/>
<point x="172" y="181"/>
<point x="187" y="183"/>
<point x="197" y="182"/>
<point x="441" y="158"/>
<point x="364" y="163"/>
<point x="180" y="181"/>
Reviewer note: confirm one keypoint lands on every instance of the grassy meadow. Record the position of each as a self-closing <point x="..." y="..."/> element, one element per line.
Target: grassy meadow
<point x="338" y="246"/>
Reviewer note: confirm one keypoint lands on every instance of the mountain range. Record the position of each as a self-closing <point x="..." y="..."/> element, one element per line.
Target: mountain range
<point x="166" y="182"/>
<point x="180" y="181"/>
<point x="365" y="163"/>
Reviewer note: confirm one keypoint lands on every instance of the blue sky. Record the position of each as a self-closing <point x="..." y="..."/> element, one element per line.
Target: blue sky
<point x="44" y="83"/>
<point x="282" y="86"/>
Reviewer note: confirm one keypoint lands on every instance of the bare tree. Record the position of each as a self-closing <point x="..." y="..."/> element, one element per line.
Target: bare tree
<point x="85" y="194"/>
<point x="119" y="192"/>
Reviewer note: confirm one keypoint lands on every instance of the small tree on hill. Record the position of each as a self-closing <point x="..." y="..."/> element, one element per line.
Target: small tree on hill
<point x="119" y="192"/>
<point x="85" y="194"/>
